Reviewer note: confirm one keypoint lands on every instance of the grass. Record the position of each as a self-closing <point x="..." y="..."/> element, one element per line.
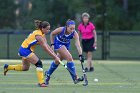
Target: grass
<point x="113" y="76"/>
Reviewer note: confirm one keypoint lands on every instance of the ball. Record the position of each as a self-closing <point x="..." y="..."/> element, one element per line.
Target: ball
<point x="95" y="80"/>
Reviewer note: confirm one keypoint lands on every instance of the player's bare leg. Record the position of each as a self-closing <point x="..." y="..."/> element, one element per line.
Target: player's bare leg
<point x="89" y="62"/>
<point x="25" y="67"/>
<point x="19" y="67"/>
<point x="39" y="69"/>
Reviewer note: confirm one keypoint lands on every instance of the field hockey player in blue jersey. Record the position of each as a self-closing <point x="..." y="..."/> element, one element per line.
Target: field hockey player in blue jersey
<point x="60" y="41"/>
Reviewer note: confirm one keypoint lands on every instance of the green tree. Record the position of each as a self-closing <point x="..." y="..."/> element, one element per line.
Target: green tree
<point x="7" y="14"/>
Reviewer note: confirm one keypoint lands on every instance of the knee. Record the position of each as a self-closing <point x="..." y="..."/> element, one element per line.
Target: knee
<point x="25" y="69"/>
<point x="39" y="64"/>
<point x="89" y="56"/>
<point x="69" y="58"/>
<point x="56" y="62"/>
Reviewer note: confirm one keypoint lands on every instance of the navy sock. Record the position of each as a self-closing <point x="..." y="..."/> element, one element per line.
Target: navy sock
<point x="52" y="68"/>
<point x="71" y="66"/>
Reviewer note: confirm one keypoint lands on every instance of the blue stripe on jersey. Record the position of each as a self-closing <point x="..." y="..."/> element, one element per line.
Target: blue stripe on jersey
<point x="32" y="43"/>
<point x="64" y="38"/>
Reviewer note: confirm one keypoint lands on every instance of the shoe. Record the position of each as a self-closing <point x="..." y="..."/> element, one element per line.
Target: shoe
<point x="42" y="85"/>
<point x="5" y="69"/>
<point x="77" y="80"/>
<point x="47" y="80"/>
<point x="91" y="69"/>
<point x="45" y="74"/>
<point x="86" y="69"/>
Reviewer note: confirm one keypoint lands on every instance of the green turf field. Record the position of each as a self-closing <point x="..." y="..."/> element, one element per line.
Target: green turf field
<point x="114" y="77"/>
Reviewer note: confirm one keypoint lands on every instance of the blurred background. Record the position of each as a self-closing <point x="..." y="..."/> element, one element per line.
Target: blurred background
<point x="117" y="24"/>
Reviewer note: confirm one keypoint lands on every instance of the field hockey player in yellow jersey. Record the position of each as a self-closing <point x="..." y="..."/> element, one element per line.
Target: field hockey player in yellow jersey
<point x="26" y="51"/>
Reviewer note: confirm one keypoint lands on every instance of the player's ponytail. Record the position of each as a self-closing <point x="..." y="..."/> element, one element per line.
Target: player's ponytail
<point x="38" y="24"/>
<point x="67" y="21"/>
<point x="70" y="22"/>
<point x="41" y="24"/>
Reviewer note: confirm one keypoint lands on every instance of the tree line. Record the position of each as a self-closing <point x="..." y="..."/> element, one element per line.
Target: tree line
<point x="119" y="14"/>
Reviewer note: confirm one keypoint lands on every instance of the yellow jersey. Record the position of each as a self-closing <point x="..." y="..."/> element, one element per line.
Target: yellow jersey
<point x="30" y="42"/>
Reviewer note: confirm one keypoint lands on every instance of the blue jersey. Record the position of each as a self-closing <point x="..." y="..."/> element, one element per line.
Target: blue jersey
<point x="63" y="39"/>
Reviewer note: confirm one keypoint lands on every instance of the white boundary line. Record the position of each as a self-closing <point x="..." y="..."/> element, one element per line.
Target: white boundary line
<point x="77" y="61"/>
<point x="19" y="60"/>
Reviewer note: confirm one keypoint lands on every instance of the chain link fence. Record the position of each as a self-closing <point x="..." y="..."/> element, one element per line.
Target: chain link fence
<point x="120" y="45"/>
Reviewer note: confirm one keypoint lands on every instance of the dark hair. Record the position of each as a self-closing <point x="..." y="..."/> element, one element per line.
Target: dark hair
<point x="41" y="24"/>
<point x="69" y="20"/>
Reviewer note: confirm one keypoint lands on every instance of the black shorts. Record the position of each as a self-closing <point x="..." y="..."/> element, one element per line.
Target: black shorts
<point x="87" y="45"/>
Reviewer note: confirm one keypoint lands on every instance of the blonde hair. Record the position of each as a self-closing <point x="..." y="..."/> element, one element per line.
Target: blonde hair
<point x="85" y="14"/>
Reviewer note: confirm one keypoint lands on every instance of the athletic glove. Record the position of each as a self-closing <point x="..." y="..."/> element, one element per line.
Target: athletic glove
<point x="81" y="58"/>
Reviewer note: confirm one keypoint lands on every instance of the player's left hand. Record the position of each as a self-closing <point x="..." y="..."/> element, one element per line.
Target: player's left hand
<point x="81" y="58"/>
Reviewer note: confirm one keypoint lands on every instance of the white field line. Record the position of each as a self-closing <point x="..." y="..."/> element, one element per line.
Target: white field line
<point x="67" y="83"/>
<point x="76" y="61"/>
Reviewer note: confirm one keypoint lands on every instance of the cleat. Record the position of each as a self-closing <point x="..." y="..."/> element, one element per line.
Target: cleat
<point x="47" y="79"/>
<point x="86" y="69"/>
<point x="77" y="80"/>
<point x="81" y="79"/>
<point x="42" y="85"/>
<point x="91" y="69"/>
<point x="45" y="74"/>
<point x="5" y="69"/>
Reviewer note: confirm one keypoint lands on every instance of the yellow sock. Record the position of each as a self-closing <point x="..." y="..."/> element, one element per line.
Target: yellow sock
<point x="15" y="67"/>
<point x="40" y="75"/>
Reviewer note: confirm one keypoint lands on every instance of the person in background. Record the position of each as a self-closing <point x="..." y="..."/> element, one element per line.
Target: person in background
<point x="89" y="39"/>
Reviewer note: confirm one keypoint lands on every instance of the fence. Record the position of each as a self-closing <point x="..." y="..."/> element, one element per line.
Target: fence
<point x="120" y="45"/>
<point x="124" y="45"/>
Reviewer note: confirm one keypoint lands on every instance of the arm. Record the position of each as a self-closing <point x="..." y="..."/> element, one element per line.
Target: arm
<point x="45" y="46"/>
<point x="79" y="32"/>
<point x="79" y="35"/>
<point x="77" y="43"/>
<point x="78" y="46"/>
<point x="95" y="37"/>
<point x="55" y="32"/>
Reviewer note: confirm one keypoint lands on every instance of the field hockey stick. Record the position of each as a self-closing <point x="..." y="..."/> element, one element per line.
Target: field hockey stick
<point x="65" y="66"/>
<point x="84" y="74"/>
